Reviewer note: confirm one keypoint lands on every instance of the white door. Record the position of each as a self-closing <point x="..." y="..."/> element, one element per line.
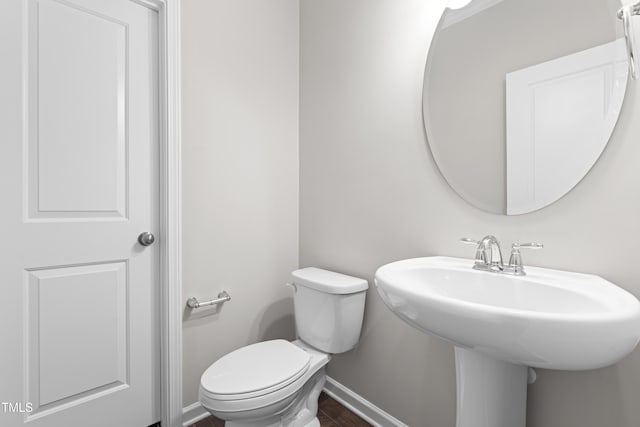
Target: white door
<point x="78" y="184"/>
<point x="560" y="115"/>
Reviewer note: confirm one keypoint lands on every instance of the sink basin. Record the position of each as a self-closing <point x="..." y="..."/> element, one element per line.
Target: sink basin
<point x="548" y="319"/>
<point x="503" y="324"/>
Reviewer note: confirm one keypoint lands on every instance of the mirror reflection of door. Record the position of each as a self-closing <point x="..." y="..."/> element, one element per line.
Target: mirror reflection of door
<point x="547" y="156"/>
<point x="480" y="138"/>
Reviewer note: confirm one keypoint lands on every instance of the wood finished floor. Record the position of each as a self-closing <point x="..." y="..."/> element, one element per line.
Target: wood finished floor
<point x="330" y="413"/>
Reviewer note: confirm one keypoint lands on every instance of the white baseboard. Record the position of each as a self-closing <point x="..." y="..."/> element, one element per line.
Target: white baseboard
<point x="193" y="413"/>
<point x="356" y="403"/>
<point x="359" y="405"/>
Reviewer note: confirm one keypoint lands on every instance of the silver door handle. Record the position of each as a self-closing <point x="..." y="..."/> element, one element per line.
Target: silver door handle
<point x="147" y="238"/>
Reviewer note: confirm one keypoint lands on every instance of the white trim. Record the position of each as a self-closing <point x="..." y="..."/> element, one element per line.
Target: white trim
<point x="193" y="413"/>
<point x="452" y="17"/>
<point x="170" y="241"/>
<point x="360" y="406"/>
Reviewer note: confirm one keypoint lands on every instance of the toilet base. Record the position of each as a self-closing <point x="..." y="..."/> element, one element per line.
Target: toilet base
<point x="301" y="413"/>
<point x="313" y="423"/>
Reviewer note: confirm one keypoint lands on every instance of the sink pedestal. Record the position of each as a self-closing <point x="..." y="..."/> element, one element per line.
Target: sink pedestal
<point x="490" y="392"/>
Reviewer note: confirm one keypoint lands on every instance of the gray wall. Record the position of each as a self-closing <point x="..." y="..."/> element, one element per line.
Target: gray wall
<point x="370" y="194"/>
<point x="240" y="173"/>
<point x="473" y="57"/>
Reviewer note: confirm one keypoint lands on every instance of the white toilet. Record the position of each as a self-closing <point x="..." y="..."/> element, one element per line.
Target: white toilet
<point x="277" y="383"/>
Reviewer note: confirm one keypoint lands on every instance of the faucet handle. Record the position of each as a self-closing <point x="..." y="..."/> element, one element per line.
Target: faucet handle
<point x="532" y="245"/>
<point x="468" y="241"/>
<point x="515" y="260"/>
<point x="481" y="258"/>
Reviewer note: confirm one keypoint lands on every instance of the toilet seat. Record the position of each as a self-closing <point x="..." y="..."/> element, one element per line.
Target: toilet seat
<point x="270" y="399"/>
<point x="255" y="370"/>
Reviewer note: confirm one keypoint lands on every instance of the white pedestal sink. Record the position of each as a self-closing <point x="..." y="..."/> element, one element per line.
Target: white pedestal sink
<point x="502" y="324"/>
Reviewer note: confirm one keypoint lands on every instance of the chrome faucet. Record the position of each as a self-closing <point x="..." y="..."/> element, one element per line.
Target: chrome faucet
<point x="489" y="255"/>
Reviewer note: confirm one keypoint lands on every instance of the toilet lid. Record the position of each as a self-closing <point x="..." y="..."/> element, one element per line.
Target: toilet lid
<point x="256" y="367"/>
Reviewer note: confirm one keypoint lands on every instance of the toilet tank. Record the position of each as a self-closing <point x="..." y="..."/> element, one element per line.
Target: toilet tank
<point x="329" y="308"/>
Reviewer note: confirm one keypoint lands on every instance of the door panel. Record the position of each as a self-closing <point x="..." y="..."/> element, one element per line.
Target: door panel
<point x="79" y="183"/>
<point x="90" y="340"/>
<point x="76" y="148"/>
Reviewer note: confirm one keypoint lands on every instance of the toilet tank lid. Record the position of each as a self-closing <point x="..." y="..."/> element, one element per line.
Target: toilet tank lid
<point x="328" y="281"/>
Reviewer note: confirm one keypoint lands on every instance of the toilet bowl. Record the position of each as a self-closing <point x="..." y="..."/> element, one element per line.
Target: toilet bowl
<point x="267" y="380"/>
<point x="277" y="383"/>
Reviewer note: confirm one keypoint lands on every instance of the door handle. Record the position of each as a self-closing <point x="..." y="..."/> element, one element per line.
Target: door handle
<point x="146" y="239"/>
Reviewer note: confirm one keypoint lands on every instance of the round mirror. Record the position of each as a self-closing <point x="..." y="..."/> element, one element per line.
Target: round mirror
<point x="521" y="97"/>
